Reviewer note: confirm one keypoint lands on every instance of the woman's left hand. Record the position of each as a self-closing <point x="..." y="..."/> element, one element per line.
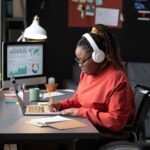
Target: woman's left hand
<point x="70" y="112"/>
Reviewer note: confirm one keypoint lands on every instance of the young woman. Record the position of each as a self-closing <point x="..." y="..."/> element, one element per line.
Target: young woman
<point x="104" y="94"/>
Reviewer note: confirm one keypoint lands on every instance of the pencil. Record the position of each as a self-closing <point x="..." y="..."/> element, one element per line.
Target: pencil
<point x="50" y="98"/>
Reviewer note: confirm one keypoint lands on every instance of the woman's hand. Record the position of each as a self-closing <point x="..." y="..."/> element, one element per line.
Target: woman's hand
<point x="70" y="112"/>
<point x="55" y="107"/>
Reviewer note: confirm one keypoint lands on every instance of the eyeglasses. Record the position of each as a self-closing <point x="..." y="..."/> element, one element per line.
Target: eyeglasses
<point x="82" y="61"/>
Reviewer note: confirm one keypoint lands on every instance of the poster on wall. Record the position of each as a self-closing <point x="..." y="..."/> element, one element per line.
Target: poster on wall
<point x="86" y="13"/>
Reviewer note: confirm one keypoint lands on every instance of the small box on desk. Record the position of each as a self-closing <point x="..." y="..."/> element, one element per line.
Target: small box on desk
<point x="10" y="97"/>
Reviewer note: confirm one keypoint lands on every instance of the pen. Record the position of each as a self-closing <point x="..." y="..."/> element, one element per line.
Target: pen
<point x="51" y="100"/>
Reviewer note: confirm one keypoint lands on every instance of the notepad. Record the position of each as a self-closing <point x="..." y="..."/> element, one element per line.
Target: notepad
<point x="52" y="119"/>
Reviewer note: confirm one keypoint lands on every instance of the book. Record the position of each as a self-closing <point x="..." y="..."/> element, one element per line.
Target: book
<point x="17" y="8"/>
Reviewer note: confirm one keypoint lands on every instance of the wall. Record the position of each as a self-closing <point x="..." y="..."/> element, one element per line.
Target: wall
<point x="61" y="42"/>
<point x="134" y="37"/>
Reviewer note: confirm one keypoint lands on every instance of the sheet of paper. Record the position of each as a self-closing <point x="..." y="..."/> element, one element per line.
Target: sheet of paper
<point x="46" y="120"/>
<point x="107" y="16"/>
<point x="69" y="90"/>
<point x="37" y="124"/>
<point x="45" y="95"/>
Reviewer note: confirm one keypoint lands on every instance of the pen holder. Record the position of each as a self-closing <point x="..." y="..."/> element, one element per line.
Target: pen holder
<point x="51" y="87"/>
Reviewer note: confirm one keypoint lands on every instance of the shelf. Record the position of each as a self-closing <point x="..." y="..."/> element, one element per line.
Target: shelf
<point x="14" y="19"/>
<point x="13" y="16"/>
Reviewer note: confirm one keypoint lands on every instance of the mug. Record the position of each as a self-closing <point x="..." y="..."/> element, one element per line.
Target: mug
<point x="34" y="94"/>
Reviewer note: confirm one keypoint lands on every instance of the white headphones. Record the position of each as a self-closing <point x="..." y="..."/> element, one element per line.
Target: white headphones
<point x="98" y="55"/>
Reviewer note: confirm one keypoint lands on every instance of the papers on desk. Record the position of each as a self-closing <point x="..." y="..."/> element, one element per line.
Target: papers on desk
<point x="44" y="95"/>
<point x="47" y="120"/>
<point x="69" y="90"/>
<point x="58" y="122"/>
<point x="55" y="93"/>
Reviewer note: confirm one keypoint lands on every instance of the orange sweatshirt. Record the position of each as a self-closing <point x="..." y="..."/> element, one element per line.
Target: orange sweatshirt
<point x="106" y="99"/>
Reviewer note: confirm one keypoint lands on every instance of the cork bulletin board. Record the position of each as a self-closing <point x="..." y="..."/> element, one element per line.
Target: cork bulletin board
<point x="86" y="13"/>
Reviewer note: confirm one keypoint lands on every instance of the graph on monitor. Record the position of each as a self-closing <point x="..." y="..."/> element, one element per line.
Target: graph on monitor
<point x="24" y="61"/>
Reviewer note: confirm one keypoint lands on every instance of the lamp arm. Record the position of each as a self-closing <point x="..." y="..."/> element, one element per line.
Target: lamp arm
<point x="20" y="38"/>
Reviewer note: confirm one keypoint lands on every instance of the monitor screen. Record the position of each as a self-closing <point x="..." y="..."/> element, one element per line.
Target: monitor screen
<point x="24" y="61"/>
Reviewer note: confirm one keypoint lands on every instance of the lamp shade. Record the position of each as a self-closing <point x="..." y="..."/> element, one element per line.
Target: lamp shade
<point x="35" y="31"/>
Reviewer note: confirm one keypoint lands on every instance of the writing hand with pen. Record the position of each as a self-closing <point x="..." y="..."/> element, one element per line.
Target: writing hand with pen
<point x="54" y="107"/>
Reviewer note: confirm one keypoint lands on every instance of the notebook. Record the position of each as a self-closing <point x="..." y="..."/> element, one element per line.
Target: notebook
<point x="31" y="109"/>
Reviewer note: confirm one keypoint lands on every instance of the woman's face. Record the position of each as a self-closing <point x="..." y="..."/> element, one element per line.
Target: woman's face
<point x="86" y="63"/>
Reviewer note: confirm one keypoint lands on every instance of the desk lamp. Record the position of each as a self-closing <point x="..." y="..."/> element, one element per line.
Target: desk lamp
<point x="34" y="33"/>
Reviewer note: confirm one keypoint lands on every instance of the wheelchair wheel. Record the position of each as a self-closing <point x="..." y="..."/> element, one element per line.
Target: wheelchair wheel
<point x="120" y="145"/>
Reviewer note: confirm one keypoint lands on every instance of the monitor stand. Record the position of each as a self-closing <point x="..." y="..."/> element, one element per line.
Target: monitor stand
<point x="28" y="82"/>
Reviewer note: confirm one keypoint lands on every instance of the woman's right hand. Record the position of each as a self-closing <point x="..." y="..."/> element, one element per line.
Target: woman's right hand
<point x="55" y="107"/>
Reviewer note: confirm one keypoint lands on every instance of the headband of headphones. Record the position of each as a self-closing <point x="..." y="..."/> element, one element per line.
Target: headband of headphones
<point x="92" y="42"/>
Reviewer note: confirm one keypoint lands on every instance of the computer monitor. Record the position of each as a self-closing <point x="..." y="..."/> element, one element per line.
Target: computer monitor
<point x="24" y="61"/>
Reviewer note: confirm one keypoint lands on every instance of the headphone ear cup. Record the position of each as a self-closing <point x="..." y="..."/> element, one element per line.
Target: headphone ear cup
<point x="98" y="56"/>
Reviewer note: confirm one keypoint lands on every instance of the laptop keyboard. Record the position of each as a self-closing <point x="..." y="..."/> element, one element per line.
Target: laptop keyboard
<point x="36" y="108"/>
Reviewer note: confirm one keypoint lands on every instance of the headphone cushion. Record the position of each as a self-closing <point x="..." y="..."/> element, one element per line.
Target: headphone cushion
<point x="98" y="57"/>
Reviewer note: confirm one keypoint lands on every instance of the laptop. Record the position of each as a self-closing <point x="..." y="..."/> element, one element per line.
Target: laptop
<point x="32" y="109"/>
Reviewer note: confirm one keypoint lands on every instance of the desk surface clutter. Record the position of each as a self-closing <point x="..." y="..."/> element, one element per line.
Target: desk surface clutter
<point x="55" y="121"/>
<point x="15" y="129"/>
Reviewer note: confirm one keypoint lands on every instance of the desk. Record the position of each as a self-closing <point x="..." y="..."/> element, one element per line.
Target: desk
<point x="14" y="129"/>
